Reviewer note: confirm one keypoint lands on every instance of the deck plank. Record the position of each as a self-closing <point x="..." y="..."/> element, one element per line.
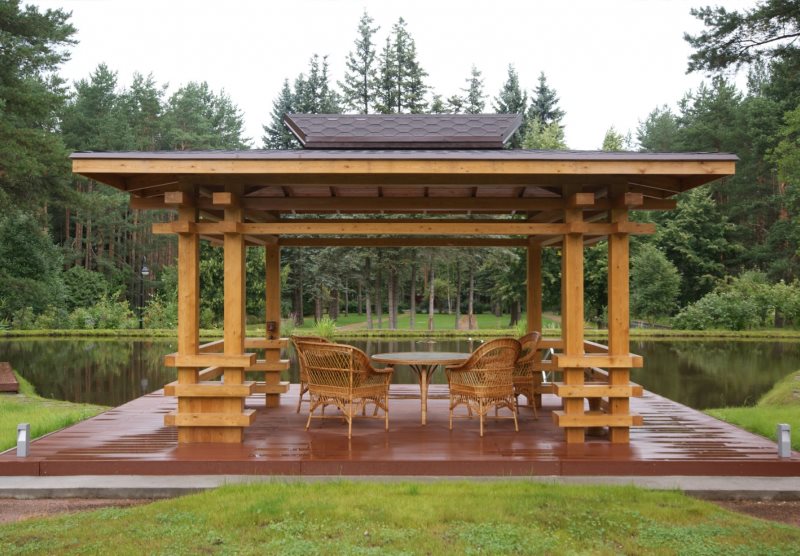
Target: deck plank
<point x="132" y="439"/>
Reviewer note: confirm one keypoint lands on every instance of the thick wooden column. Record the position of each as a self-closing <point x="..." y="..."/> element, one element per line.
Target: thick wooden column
<point x="272" y="356"/>
<point x="572" y="321"/>
<point x="188" y="306"/>
<point x="618" y="310"/>
<point x="534" y="289"/>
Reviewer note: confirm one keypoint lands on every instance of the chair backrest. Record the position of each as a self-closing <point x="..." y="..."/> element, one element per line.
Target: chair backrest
<point x="329" y="364"/>
<point x="500" y="354"/>
<point x="530" y="346"/>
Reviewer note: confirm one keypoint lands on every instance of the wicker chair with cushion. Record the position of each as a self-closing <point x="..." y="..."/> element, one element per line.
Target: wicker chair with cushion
<point x="342" y="376"/>
<point x="485" y="380"/>
<point x="525" y="377"/>
<point x="301" y="366"/>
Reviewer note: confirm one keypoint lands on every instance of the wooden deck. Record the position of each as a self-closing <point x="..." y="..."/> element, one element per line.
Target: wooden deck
<point x="132" y="439"/>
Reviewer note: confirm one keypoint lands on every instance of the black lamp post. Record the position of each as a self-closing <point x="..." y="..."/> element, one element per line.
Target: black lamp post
<point x="144" y="273"/>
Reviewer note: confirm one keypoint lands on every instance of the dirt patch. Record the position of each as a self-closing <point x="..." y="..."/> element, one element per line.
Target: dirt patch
<point x="17" y="510"/>
<point x="783" y="512"/>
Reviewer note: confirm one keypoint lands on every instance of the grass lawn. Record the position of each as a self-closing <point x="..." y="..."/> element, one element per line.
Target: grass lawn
<point x="442" y="322"/>
<point x="43" y="415"/>
<point x="408" y="518"/>
<point x="779" y="405"/>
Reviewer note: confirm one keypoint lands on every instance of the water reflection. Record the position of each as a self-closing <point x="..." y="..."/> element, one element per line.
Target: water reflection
<point x="110" y="372"/>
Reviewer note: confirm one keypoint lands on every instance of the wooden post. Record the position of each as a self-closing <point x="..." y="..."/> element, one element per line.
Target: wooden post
<point x="572" y="314"/>
<point x="618" y="311"/>
<point x="534" y="290"/>
<point x="188" y="309"/>
<point x="273" y="315"/>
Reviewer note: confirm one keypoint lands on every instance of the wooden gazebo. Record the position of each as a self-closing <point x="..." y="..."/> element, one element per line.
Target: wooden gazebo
<point x="452" y="175"/>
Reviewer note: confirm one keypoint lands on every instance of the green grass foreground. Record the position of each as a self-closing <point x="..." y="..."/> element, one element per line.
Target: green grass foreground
<point x="43" y="415"/>
<point x="779" y="405"/>
<point x="408" y="518"/>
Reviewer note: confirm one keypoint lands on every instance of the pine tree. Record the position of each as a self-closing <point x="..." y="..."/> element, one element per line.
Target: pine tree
<point x="313" y="94"/>
<point x="512" y="100"/>
<point x="33" y="45"/>
<point x="616" y="141"/>
<point x="401" y="85"/>
<point x="360" y="79"/>
<point x="385" y="98"/>
<point x="474" y="102"/>
<point x="276" y="134"/>
<point x="438" y="105"/>
<point x="544" y="104"/>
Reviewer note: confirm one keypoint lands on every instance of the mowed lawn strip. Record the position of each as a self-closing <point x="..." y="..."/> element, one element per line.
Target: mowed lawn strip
<point x="43" y="415"/>
<point x="779" y="405"/>
<point x="408" y="518"/>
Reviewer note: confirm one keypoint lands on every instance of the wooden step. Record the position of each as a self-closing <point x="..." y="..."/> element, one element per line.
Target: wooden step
<point x="597" y="390"/>
<point x="262" y="365"/>
<point x="602" y="360"/>
<point x="263" y="388"/>
<point x="213" y="389"/>
<point x="596" y="419"/>
<point x="244" y="419"/>
<point x="263" y="343"/>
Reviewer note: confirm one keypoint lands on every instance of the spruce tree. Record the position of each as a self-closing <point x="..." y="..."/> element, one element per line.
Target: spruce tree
<point x="360" y="79"/>
<point x="385" y="94"/>
<point x="276" y="134"/>
<point x="474" y="102"/>
<point x="512" y="100"/>
<point x="544" y="104"/>
<point x="313" y="94"/>
<point x="401" y="81"/>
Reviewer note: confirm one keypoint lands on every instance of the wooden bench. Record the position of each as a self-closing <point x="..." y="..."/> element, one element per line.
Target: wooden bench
<point x="8" y="382"/>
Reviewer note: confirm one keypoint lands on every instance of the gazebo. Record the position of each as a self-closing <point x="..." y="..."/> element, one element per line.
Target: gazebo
<point x="462" y="188"/>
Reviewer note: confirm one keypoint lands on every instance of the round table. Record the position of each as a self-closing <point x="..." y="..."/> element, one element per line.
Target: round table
<point x="423" y="363"/>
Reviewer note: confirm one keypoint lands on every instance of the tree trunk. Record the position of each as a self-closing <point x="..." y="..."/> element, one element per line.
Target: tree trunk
<point x="367" y="303"/>
<point x="378" y="300"/>
<point x="458" y="296"/>
<point x="299" y="319"/>
<point x="497" y="309"/>
<point x="515" y="311"/>
<point x="333" y="309"/>
<point x="413" y="297"/>
<point x="471" y="302"/>
<point x="346" y="297"/>
<point x="359" y="307"/>
<point x="431" y="298"/>
<point x="390" y="298"/>
<point x="318" y="305"/>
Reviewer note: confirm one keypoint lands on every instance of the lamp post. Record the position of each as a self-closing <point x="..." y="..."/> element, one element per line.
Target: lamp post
<point x="144" y="272"/>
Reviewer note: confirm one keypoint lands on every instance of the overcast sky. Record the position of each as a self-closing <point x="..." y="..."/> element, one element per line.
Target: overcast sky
<point x="611" y="62"/>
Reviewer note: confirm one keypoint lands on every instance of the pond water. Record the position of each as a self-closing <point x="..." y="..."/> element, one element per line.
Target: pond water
<point x="700" y="374"/>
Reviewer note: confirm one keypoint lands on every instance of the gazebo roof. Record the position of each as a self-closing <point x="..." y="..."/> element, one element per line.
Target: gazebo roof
<point x="403" y="131"/>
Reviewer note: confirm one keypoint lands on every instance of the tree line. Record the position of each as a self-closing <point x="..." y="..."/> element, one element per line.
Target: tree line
<point x="72" y="253"/>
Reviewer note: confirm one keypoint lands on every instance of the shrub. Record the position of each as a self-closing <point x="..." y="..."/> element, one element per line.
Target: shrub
<point x="325" y="328"/>
<point x="160" y="314"/>
<point x="84" y="288"/>
<point x="105" y="314"/>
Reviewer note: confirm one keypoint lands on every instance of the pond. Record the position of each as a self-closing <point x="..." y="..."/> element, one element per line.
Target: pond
<point x="698" y="373"/>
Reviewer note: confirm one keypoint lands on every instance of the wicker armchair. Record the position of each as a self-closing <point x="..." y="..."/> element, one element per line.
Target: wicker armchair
<point x="526" y="379"/>
<point x="485" y="380"/>
<point x="342" y="376"/>
<point x="301" y="365"/>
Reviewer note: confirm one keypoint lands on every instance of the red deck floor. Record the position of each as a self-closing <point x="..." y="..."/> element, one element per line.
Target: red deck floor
<point x="131" y="439"/>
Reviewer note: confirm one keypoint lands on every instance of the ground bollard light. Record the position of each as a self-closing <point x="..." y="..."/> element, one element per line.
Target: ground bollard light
<point x="23" y="439"/>
<point x="784" y="441"/>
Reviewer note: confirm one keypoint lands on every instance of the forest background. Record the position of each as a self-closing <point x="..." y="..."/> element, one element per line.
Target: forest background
<point x="74" y="255"/>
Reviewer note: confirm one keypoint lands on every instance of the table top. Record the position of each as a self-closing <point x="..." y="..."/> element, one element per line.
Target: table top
<point x="421" y="358"/>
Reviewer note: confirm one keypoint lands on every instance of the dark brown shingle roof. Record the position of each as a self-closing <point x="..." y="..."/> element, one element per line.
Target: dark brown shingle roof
<point x="407" y="154"/>
<point x="403" y="131"/>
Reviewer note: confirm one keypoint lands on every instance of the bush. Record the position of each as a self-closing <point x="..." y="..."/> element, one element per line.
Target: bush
<point x="84" y="288"/>
<point x="105" y="314"/>
<point x="160" y="314"/>
<point x="726" y="310"/>
<point x="325" y="328"/>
